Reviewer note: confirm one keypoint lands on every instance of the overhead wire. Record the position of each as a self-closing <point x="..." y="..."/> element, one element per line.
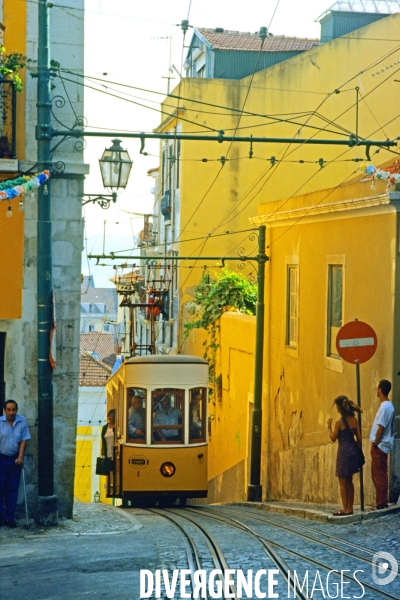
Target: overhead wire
<point x="231" y="109"/>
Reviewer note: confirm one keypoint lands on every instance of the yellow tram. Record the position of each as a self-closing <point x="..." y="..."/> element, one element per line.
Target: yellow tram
<point x="160" y="449"/>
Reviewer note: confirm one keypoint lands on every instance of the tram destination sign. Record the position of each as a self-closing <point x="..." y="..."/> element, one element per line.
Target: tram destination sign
<point x="356" y="342"/>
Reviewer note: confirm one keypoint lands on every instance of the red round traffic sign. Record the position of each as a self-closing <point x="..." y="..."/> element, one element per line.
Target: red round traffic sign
<point x="356" y="342"/>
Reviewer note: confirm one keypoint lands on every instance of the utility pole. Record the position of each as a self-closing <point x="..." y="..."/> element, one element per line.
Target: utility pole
<point x="47" y="513"/>
<point x="254" y="490"/>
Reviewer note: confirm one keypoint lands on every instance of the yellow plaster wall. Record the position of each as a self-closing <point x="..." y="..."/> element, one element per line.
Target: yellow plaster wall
<point x="83" y="470"/>
<point x="216" y="198"/>
<point x="230" y="414"/>
<point x="12" y="229"/>
<point x="299" y="459"/>
<point x="11" y="251"/>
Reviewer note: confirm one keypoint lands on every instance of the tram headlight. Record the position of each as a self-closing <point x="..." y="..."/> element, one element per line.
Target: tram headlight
<point x="167" y="469"/>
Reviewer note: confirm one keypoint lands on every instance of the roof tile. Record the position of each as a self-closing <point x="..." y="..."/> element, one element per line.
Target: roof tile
<point x="237" y="40"/>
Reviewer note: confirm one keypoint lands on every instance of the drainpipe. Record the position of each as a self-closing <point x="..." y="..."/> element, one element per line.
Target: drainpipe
<point x="254" y="490"/>
<point x="47" y="509"/>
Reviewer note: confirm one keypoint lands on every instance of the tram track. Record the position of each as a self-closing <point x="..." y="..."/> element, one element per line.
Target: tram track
<point x="232" y="522"/>
<point x="267" y="547"/>
<point x="281" y="523"/>
<point x="193" y="558"/>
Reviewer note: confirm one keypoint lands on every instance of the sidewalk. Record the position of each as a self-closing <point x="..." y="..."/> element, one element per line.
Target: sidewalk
<point x="320" y="512"/>
<point x="88" y="519"/>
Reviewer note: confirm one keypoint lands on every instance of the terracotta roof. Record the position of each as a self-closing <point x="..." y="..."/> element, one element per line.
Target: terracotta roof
<point x="92" y="372"/>
<point x="237" y="40"/>
<point x="97" y="342"/>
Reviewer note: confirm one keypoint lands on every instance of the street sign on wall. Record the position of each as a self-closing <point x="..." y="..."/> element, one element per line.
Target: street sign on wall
<point x="356" y="342"/>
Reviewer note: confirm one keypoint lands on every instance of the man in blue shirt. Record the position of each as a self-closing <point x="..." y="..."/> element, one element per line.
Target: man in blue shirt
<point x="168" y="415"/>
<point x="14" y="433"/>
<point x="137" y="419"/>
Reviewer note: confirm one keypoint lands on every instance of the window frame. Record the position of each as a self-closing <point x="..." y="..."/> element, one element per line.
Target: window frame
<point x="203" y="414"/>
<point x="181" y="426"/>
<point x="143" y="393"/>
<point x="332" y="359"/>
<point x="292" y="262"/>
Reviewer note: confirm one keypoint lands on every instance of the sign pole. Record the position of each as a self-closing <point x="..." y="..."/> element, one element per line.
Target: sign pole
<point x="356" y="342"/>
<point x="359" y="424"/>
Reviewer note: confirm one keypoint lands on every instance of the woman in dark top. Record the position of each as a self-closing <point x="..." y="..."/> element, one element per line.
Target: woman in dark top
<point x="347" y="432"/>
<point x="108" y="435"/>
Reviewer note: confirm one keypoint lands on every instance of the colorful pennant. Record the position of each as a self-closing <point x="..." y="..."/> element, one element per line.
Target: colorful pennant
<point x="18" y="187"/>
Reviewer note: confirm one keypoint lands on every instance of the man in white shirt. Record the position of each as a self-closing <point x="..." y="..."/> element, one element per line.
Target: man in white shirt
<point x="381" y="438"/>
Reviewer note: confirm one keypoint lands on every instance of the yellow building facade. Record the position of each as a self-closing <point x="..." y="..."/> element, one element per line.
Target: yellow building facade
<point x="335" y="90"/>
<point x="332" y="238"/>
<point x="13" y="19"/>
<point x="333" y="258"/>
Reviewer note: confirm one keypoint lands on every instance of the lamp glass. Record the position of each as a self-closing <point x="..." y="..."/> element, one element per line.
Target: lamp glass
<point x="115" y="166"/>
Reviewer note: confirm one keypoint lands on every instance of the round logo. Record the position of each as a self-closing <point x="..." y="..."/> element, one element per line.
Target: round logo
<point x="138" y="462"/>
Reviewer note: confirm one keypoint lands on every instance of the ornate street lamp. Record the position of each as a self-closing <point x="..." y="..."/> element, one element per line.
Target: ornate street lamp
<point x="115" y="167"/>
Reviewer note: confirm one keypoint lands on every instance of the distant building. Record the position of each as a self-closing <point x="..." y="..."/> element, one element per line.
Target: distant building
<point x="223" y="54"/>
<point x="99" y="308"/>
<point x="93" y="375"/>
<point x="101" y="346"/>
<point x="349" y="15"/>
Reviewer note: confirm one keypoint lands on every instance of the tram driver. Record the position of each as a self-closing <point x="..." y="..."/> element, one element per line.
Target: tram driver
<point x="165" y="414"/>
<point x="137" y="419"/>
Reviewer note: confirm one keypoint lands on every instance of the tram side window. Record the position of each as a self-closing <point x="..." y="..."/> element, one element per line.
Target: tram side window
<point x="197" y="415"/>
<point x="136" y="417"/>
<point x="168" y="416"/>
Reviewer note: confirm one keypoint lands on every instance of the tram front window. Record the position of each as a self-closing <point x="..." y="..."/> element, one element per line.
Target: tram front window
<point x="168" y="418"/>
<point x="197" y="415"/>
<point x="136" y="403"/>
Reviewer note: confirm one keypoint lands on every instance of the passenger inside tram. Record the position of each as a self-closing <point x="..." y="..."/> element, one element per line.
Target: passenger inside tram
<point x="195" y="420"/>
<point x="137" y="418"/>
<point x="168" y="415"/>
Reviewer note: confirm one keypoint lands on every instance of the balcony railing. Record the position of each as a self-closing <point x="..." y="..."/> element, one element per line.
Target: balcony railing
<point x="8" y="119"/>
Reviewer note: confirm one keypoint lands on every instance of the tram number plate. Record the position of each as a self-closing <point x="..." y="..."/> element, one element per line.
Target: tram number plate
<point x="138" y="462"/>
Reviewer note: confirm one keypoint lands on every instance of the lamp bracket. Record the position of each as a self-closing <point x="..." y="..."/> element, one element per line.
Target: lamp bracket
<point x="103" y="200"/>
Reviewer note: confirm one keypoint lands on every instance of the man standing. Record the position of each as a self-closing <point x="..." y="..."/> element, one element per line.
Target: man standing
<point x="14" y="433"/>
<point x="381" y="438"/>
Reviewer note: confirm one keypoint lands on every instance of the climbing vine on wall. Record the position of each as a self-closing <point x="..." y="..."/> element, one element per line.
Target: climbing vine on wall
<point x="214" y="295"/>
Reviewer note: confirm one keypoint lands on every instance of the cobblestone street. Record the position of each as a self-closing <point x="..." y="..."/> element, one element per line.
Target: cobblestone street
<point x="100" y="552"/>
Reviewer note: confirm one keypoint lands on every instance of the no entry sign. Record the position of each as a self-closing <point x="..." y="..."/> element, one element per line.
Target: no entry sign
<point x="356" y="342"/>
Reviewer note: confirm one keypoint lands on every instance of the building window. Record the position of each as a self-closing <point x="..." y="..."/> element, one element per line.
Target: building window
<point x="201" y="73"/>
<point x="106" y="327"/>
<point x="334" y="308"/>
<point x="292" y="305"/>
<point x="91" y="328"/>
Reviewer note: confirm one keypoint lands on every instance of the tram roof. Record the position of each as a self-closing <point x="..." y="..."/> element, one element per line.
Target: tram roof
<point x="181" y="359"/>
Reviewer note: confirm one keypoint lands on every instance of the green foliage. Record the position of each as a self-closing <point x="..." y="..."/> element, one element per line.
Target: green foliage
<point x="228" y="291"/>
<point x="10" y="64"/>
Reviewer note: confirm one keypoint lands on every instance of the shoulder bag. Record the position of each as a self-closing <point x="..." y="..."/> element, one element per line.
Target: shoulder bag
<point x="103" y="465"/>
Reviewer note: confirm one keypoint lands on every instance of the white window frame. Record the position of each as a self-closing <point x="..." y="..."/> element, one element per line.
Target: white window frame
<point x="292" y="345"/>
<point x="333" y="360"/>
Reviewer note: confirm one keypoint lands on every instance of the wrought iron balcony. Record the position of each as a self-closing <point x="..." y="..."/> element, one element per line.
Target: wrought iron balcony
<point x="8" y="119"/>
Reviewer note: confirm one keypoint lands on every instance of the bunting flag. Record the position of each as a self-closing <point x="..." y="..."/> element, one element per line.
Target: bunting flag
<point x="18" y="187"/>
<point x="390" y="174"/>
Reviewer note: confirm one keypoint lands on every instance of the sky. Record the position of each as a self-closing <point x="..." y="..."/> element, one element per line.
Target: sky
<point x="135" y="43"/>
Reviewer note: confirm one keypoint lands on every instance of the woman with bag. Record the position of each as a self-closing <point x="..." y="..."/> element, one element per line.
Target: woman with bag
<point x="349" y="456"/>
<point x="107" y="435"/>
